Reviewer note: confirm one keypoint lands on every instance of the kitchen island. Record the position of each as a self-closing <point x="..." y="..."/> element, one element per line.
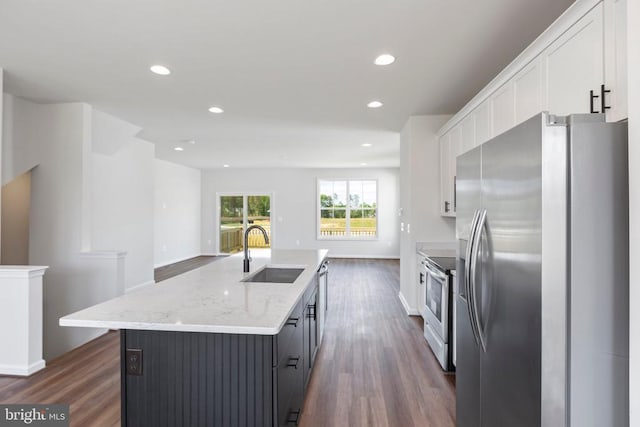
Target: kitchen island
<point x="209" y="349"/>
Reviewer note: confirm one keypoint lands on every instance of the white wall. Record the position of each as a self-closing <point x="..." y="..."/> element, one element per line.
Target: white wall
<point x="85" y="198"/>
<point x="51" y="138"/>
<point x="633" y="43"/>
<point x="294" y="207"/>
<point x="420" y="199"/>
<point x="177" y="212"/>
<point x="121" y="190"/>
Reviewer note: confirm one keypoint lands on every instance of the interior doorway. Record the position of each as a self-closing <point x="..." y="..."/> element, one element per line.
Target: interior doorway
<point x="16" y="204"/>
<point x="238" y="211"/>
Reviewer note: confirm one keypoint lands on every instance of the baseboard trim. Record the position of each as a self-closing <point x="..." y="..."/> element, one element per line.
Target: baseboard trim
<point x="173" y="261"/>
<point x="140" y="286"/>
<point x="410" y="311"/>
<point x="331" y="255"/>
<point x="22" y="370"/>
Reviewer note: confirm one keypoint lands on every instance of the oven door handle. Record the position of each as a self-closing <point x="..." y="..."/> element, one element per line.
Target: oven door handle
<point x="435" y="273"/>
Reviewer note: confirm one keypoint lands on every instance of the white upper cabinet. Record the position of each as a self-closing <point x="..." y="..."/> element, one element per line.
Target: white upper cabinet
<point x="578" y="65"/>
<point x="450" y="148"/>
<point x="482" y="116"/>
<point x="455" y="148"/>
<point x="503" y="109"/>
<point x="574" y="66"/>
<point x="527" y="90"/>
<point x="615" y="63"/>
<point x="445" y="176"/>
<point x="467" y="133"/>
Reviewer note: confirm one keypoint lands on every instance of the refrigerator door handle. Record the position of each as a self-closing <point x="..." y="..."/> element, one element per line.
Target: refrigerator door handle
<point x="467" y="274"/>
<point x="474" y="261"/>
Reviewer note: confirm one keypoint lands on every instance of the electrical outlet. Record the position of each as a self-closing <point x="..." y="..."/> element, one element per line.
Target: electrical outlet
<point x="134" y="361"/>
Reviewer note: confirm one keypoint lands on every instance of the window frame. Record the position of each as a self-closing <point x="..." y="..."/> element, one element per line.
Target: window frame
<point x="347" y="237"/>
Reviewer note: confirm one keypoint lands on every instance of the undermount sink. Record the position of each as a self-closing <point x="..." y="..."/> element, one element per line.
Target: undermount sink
<point x="275" y="275"/>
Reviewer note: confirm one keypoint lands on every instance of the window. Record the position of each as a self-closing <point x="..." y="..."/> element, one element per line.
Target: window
<point x="236" y="213"/>
<point x="347" y="209"/>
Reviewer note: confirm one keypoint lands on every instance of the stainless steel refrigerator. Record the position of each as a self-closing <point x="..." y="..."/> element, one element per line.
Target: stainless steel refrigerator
<point x="542" y="311"/>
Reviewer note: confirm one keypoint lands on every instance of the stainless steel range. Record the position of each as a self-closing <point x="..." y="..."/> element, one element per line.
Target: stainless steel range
<point x="438" y="315"/>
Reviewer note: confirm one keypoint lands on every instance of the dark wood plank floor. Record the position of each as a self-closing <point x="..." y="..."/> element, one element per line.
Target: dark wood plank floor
<point x="87" y="378"/>
<point x="374" y="367"/>
<point x="168" y="271"/>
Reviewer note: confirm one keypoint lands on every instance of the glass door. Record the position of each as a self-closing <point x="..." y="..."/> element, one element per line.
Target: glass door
<point x="236" y="213"/>
<point x="231" y="224"/>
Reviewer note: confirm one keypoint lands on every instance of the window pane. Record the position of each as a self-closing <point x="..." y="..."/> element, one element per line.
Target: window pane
<point x="333" y="222"/>
<point x="259" y="213"/>
<point x="333" y="193"/>
<point x="369" y="194"/>
<point x="362" y="194"/>
<point x="363" y="223"/>
<point x="231" y="218"/>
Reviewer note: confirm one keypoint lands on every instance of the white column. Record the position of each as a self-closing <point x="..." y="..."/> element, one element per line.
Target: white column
<point x="21" y="319"/>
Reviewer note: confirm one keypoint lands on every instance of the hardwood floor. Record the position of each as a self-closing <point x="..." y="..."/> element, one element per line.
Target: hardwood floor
<point x="87" y="378"/>
<point x="168" y="271"/>
<point x="374" y="367"/>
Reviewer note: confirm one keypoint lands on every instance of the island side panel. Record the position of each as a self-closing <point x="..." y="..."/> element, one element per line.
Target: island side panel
<point x="198" y="379"/>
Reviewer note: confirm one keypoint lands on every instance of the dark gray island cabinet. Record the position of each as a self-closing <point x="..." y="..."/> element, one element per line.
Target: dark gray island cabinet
<point x="174" y="378"/>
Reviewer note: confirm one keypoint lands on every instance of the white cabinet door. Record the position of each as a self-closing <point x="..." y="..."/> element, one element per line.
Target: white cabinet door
<point x="615" y="48"/>
<point x="503" y="109"/>
<point x="445" y="196"/>
<point x="527" y="89"/>
<point x="455" y="144"/>
<point x="482" y="118"/>
<point x="467" y="133"/>
<point x="574" y="65"/>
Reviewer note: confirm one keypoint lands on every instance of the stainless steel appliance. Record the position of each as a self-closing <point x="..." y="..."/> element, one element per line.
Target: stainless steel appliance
<point x="438" y="322"/>
<point x="542" y="313"/>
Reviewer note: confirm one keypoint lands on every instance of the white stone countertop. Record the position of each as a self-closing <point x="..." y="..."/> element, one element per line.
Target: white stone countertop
<point x="436" y="249"/>
<point x="211" y="298"/>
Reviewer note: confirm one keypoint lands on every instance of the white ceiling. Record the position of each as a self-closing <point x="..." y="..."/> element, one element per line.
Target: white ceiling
<point x="294" y="76"/>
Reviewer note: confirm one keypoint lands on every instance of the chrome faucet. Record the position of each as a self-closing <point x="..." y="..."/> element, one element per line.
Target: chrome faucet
<point x="247" y="258"/>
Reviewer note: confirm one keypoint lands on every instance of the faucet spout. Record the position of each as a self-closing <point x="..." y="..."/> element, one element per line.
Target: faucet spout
<point x="247" y="258"/>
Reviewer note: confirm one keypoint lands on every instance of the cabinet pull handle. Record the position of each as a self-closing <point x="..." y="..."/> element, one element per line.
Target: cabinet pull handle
<point x="455" y="198"/>
<point x="309" y="315"/>
<point x="293" y="362"/>
<point x="293" y="416"/>
<point x="603" y="102"/>
<point x="292" y="321"/>
<point x="421" y="278"/>
<point x="592" y="97"/>
<point x="446" y="206"/>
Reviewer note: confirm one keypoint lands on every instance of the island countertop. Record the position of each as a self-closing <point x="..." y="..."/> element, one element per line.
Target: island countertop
<point x="211" y="298"/>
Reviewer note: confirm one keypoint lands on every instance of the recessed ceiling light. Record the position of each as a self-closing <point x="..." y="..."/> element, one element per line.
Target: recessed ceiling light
<point x="178" y="148"/>
<point x="192" y="141"/>
<point x="374" y="104"/>
<point x="363" y="164"/>
<point x="225" y="166"/>
<point x="160" y="69"/>
<point x="216" y="110"/>
<point x="366" y="144"/>
<point x="385" y="59"/>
